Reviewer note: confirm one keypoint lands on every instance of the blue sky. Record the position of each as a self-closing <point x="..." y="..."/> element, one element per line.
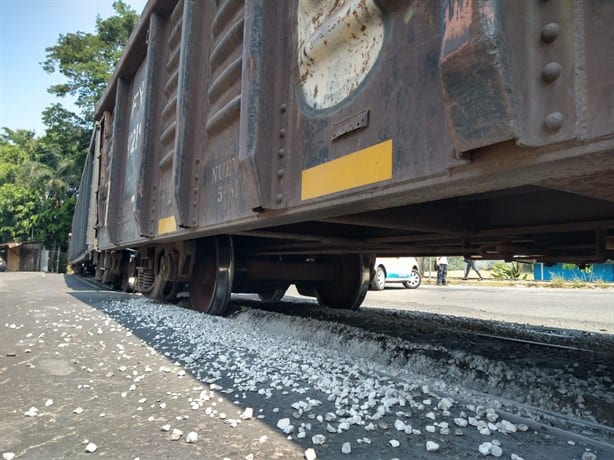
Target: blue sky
<point x="27" y="27"/>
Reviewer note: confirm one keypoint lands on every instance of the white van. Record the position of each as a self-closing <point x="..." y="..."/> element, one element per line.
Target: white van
<point x="396" y="270"/>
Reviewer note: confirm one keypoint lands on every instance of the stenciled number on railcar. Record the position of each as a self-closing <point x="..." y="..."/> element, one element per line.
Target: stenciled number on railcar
<point x="228" y="191"/>
<point x="225" y="175"/>
<point x="136" y="129"/>
<point x="133" y="139"/>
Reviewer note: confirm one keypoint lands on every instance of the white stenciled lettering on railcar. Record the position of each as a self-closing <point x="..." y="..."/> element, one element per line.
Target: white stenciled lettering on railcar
<point x="134" y="138"/>
<point x="338" y="44"/>
<point x="136" y="115"/>
<point x="228" y="191"/>
<point x="225" y="169"/>
<point x="137" y="99"/>
<point x="136" y="128"/>
<point x="225" y="175"/>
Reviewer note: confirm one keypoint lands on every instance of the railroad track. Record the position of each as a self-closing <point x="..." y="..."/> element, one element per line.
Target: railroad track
<point x="433" y="328"/>
<point x="517" y="340"/>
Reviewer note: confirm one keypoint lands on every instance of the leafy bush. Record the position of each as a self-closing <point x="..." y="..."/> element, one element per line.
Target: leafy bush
<point x="507" y="271"/>
<point x="557" y="282"/>
<point x="582" y="273"/>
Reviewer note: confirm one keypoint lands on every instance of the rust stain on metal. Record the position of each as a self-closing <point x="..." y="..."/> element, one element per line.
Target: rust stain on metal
<point x="458" y="18"/>
<point x="338" y="43"/>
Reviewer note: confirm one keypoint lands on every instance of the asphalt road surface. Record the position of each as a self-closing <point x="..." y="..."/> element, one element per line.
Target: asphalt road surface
<point x="580" y="309"/>
<point x="91" y="380"/>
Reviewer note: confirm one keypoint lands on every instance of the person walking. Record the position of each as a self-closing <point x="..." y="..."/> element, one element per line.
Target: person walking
<point x="469" y="264"/>
<point x="442" y="270"/>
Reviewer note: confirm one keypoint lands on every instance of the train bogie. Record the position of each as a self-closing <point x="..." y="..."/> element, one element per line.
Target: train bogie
<point x="246" y="146"/>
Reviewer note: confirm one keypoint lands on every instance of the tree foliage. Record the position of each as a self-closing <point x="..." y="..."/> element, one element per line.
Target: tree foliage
<point x="87" y="60"/>
<point x="39" y="176"/>
<point x="32" y="192"/>
<point x="18" y="211"/>
<point x="66" y="140"/>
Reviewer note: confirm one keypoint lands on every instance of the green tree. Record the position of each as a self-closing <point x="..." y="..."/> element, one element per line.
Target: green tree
<point x="19" y="154"/>
<point x="66" y="141"/>
<point x="87" y="60"/>
<point x="29" y="185"/>
<point x="18" y="211"/>
<point x="39" y="177"/>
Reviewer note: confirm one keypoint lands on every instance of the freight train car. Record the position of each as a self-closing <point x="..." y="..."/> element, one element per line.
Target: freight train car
<point x="242" y="146"/>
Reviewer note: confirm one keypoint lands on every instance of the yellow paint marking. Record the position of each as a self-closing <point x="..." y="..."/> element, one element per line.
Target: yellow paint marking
<point x="167" y="225"/>
<point x="367" y="166"/>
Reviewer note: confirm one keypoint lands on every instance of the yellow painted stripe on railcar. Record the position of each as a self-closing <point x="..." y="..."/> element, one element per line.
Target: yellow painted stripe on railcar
<point x="167" y="225"/>
<point x="367" y="166"/>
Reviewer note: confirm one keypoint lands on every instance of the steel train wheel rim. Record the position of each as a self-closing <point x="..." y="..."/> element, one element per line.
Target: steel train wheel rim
<point x="163" y="290"/>
<point x="169" y="291"/>
<point x="351" y="283"/>
<point x="212" y="276"/>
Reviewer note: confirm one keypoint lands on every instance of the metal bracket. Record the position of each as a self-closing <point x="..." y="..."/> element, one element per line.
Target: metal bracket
<point x="350" y="124"/>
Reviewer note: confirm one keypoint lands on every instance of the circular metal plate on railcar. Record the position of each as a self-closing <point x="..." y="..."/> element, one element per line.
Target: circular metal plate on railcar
<point x="338" y="44"/>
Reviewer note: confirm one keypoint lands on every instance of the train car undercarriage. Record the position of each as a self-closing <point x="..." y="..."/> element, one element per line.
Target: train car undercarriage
<point x="332" y="258"/>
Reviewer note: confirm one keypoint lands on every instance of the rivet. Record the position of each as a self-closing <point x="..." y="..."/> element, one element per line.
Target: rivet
<point x="550" y="32"/>
<point x="283" y="108"/>
<point x="280" y="197"/>
<point x="282" y="153"/>
<point x="553" y="121"/>
<point x="280" y="173"/>
<point x="551" y="71"/>
<point x="282" y="132"/>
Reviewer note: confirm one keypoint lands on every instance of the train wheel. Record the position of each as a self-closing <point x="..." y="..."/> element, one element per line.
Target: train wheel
<point x="306" y="289"/>
<point x="127" y="269"/>
<point x="107" y="278"/>
<point x="212" y="275"/>
<point x="162" y="288"/>
<point x="349" y="288"/>
<point x="169" y="291"/>
<point x="272" y="295"/>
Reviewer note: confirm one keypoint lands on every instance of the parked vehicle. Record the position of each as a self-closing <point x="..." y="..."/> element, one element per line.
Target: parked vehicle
<point x="396" y="270"/>
<point x="245" y="146"/>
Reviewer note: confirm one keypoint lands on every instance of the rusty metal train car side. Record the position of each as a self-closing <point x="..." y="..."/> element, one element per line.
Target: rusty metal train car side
<point x="245" y="146"/>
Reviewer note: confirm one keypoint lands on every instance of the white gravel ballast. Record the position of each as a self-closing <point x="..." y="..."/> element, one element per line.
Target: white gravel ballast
<point x="331" y="385"/>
